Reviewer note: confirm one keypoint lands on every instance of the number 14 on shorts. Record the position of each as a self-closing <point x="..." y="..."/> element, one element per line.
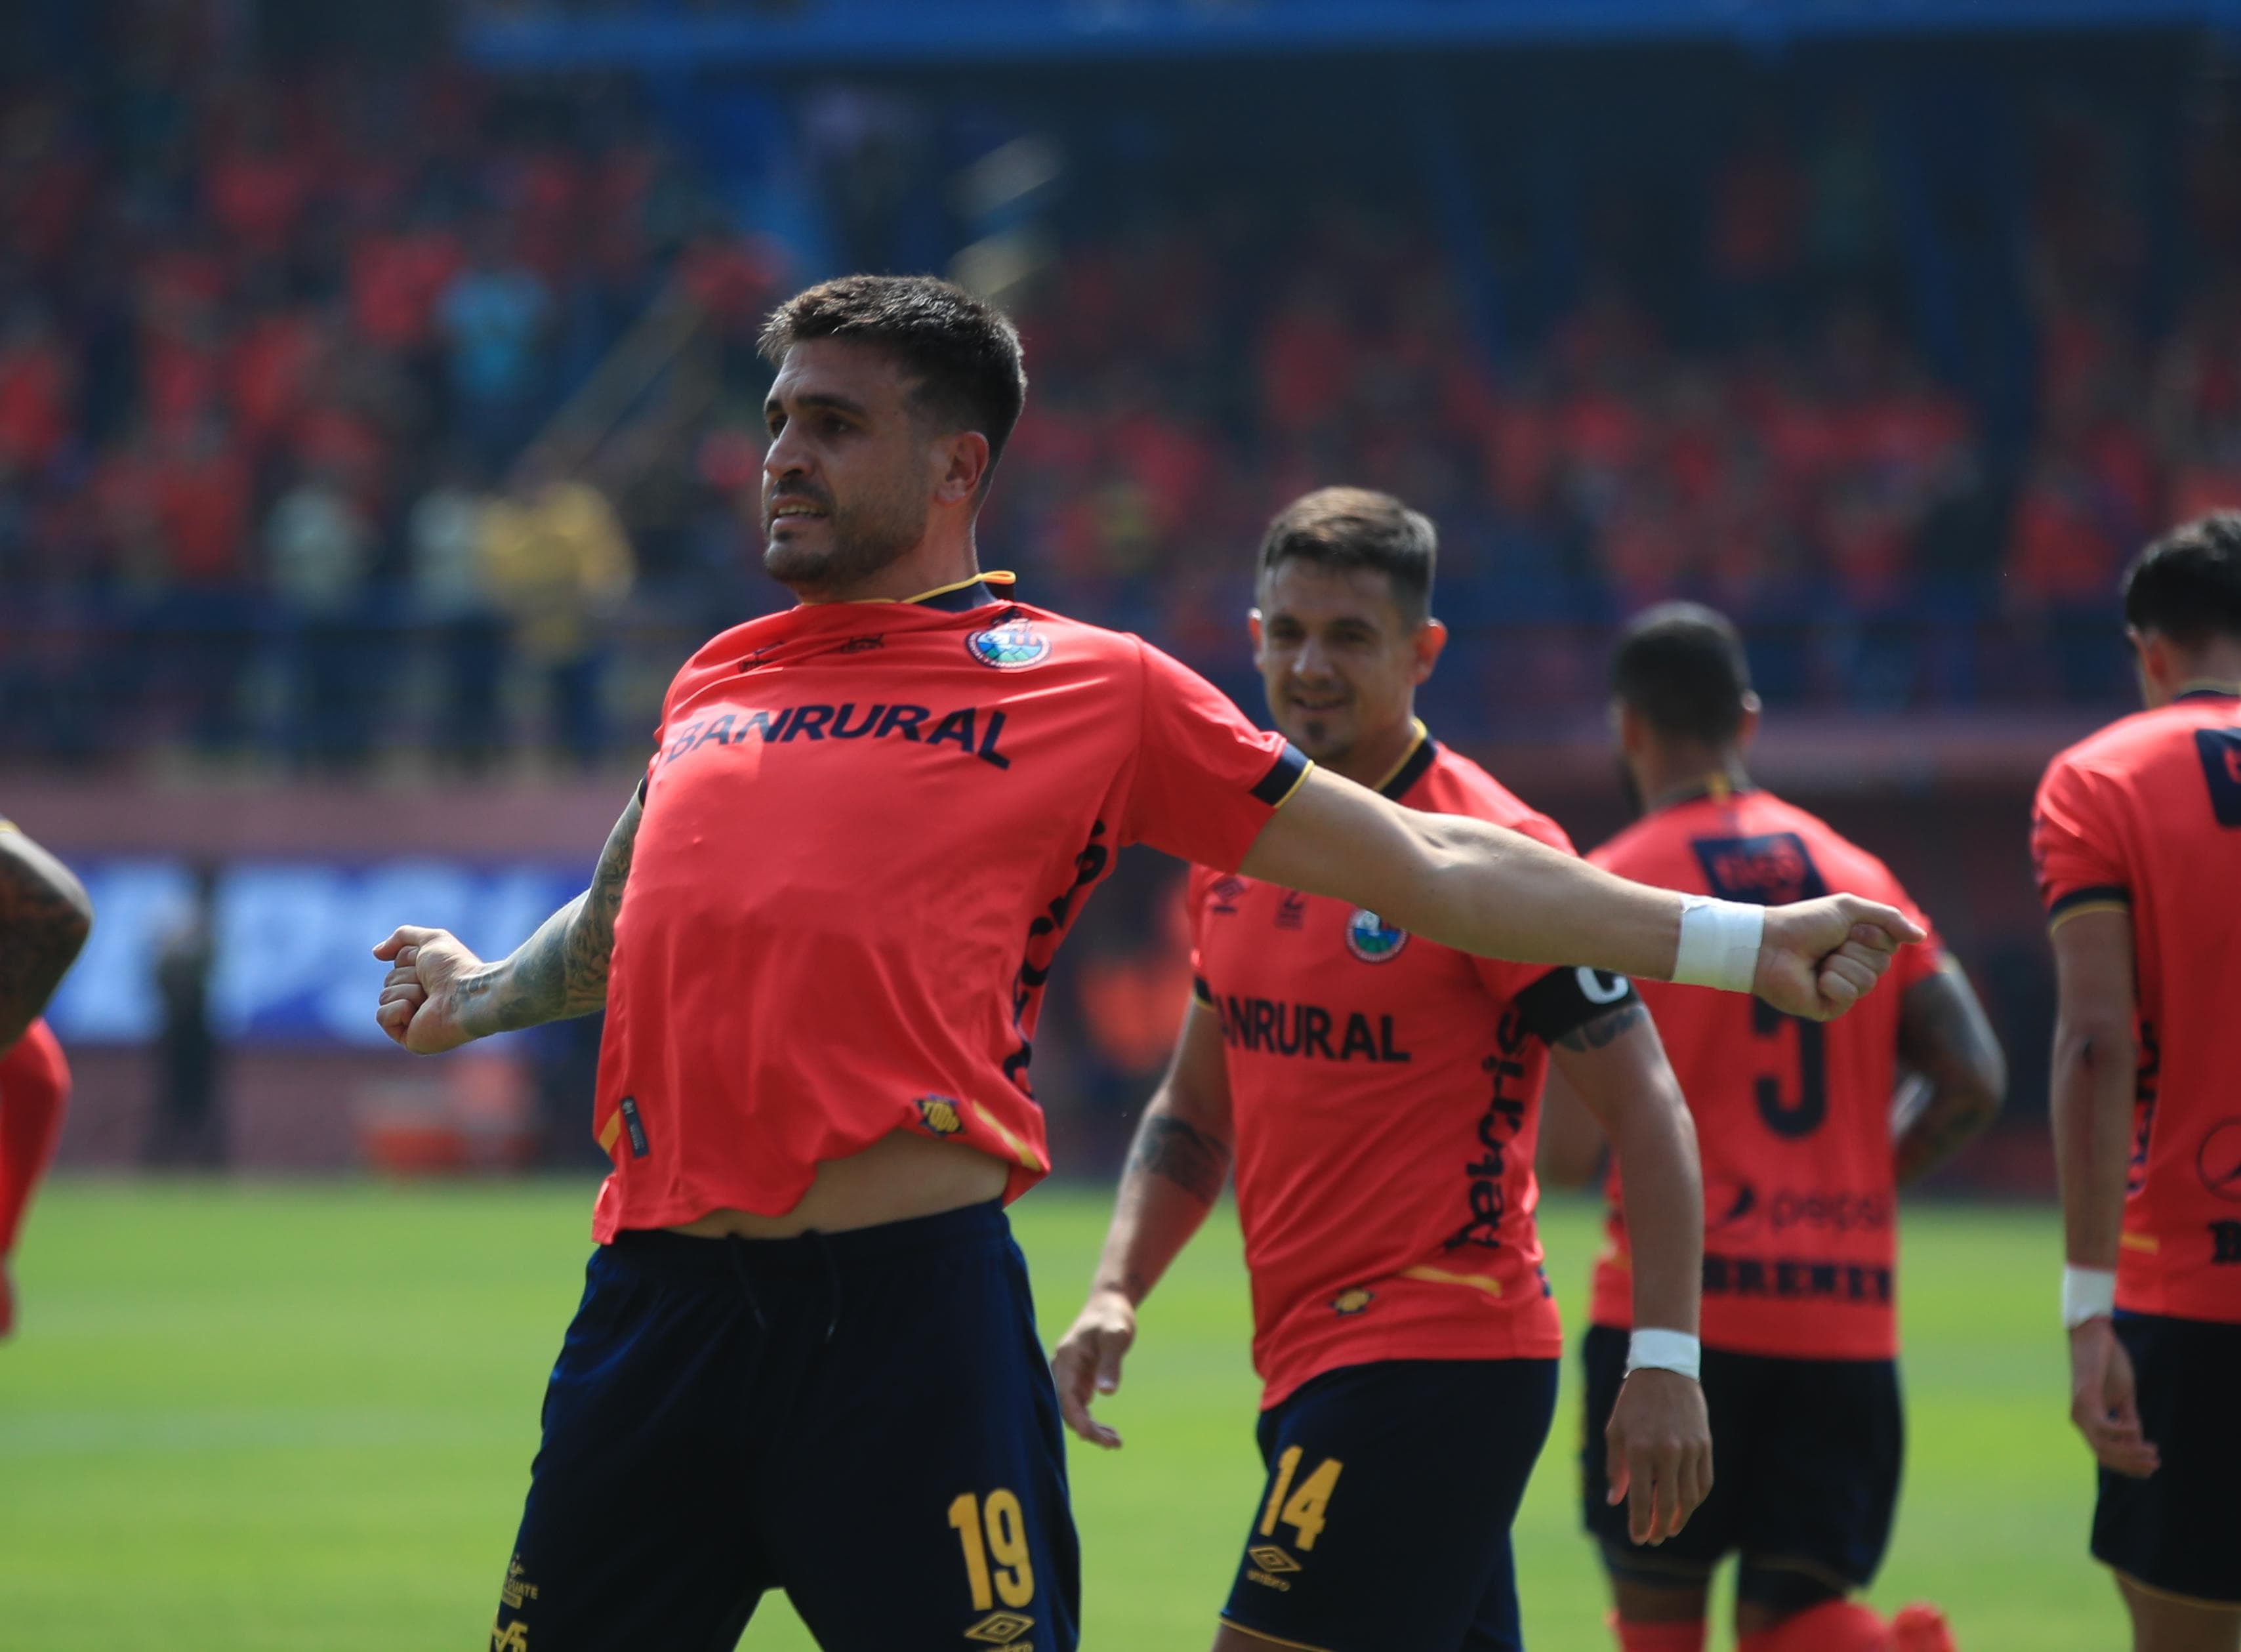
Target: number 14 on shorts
<point x="1305" y="1510"/>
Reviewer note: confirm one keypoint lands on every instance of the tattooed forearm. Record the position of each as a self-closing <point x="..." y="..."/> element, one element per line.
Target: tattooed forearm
<point x="1604" y="1029"/>
<point x="44" y="919"/>
<point x="561" y="970"/>
<point x="1185" y="1154"/>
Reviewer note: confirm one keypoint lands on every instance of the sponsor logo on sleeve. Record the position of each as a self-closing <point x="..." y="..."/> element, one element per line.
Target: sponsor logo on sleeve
<point x="1372" y="940"/>
<point x="1014" y="646"/>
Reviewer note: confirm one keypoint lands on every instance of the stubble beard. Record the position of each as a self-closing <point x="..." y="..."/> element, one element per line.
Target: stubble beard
<point x="858" y="543"/>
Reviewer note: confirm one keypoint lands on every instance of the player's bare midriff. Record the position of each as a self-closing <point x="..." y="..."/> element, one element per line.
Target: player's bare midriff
<point x="898" y="1177"/>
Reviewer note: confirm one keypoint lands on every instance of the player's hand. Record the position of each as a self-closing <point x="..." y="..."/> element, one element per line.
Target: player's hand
<point x="2104" y="1401"/>
<point x="1659" y="1450"/>
<point x="1817" y="959"/>
<point x="421" y="1004"/>
<point x="1088" y="1362"/>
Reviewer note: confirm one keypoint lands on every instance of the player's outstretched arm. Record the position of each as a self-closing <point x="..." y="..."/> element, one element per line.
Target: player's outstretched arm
<point x="1659" y="1435"/>
<point x="2096" y="1077"/>
<point x="1944" y="1035"/>
<point x="1175" y="1173"/>
<point x="438" y="995"/>
<point x="46" y="916"/>
<point x="1483" y="889"/>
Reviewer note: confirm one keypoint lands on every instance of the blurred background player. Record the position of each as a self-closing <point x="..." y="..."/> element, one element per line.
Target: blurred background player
<point x="1796" y="1127"/>
<point x="827" y="945"/>
<point x="2137" y="835"/>
<point x="1380" y="1096"/>
<point x="44" y="918"/>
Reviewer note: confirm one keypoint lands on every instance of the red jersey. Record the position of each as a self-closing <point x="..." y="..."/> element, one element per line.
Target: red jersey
<point x="1384" y="1093"/>
<point x="866" y="831"/>
<point x="2145" y="818"/>
<point x="1793" y="1117"/>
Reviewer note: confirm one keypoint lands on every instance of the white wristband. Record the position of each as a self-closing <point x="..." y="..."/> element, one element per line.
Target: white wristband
<point x="1665" y="1351"/>
<point x="1719" y="943"/>
<point x="2087" y="1293"/>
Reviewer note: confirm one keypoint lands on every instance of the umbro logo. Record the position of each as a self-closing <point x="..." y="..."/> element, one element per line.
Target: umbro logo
<point x="1226" y="890"/>
<point x="863" y="645"/>
<point x="759" y="658"/>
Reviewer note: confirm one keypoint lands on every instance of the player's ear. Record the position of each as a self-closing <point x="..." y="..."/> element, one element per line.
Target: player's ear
<point x="966" y="456"/>
<point x="1627" y="727"/>
<point x="1431" y="640"/>
<point x="1748" y="730"/>
<point x="1260" y="638"/>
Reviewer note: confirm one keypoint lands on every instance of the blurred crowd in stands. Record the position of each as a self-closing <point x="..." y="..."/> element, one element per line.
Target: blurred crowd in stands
<point x="337" y="401"/>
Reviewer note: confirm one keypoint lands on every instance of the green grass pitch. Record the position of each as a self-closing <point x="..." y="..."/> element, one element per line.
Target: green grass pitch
<point x="241" y="1417"/>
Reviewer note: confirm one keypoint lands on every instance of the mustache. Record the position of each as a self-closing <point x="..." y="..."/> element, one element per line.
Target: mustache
<point x="793" y="492"/>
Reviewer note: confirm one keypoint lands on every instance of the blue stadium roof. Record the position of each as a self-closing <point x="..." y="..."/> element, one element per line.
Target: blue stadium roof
<point x="901" y="33"/>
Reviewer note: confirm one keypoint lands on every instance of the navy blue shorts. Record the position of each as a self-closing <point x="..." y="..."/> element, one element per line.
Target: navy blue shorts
<point x="1384" y="1524"/>
<point x="864" y="1420"/>
<point x="2175" y="1531"/>
<point x="1805" y="1467"/>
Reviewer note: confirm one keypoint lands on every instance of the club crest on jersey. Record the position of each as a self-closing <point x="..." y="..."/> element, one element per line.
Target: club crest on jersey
<point x="1014" y="646"/>
<point x="939" y="1115"/>
<point x="2217" y="1161"/>
<point x="1371" y="939"/>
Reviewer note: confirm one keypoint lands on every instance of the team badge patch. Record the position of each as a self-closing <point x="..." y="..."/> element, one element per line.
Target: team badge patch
<point x="1371" y="939"/>
<point x="939" y="1115"/>
<point x="1014" y="646"/>
<point x="2217" y="1161"/>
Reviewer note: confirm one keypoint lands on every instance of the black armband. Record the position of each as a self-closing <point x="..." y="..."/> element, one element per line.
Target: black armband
<point x="1565" y="1001"/>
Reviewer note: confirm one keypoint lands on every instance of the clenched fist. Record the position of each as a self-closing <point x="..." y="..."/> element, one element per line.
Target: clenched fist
<point x="1817" y="959"/>
<point x="423" y="1005"/>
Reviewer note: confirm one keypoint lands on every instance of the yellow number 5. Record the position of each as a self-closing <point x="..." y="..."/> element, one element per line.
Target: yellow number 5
<point x="1014" y="1577"/>
<point x="1309" y="1505"/>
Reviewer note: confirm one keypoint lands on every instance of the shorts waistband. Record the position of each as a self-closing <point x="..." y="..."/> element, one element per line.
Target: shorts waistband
<point x="661" y="1250"/>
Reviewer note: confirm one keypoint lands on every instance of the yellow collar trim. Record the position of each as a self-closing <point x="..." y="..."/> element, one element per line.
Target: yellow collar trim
<point x="1415" y="745"/>
<point x="992" y="576"/>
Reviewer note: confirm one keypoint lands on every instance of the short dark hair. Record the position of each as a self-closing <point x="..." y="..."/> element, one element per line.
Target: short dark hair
<point x="1355" y="527"/>
<point x="2187" y="585"/>
<point x="1680" y="666"/>
<point x="964" y="352"/>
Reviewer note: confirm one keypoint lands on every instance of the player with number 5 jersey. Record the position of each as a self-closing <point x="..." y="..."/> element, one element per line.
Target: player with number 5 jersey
<point x="1794" y="1120"/>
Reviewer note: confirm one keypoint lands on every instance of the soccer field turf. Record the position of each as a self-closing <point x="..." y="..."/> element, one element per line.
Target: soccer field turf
<point x="247" y="1417"/>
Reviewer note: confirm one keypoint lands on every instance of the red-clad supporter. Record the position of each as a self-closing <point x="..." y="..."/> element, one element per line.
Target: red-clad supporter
<point x="268" y="370"/>
<point x="37" y="385"/>
<point x="200" y="486"/>
<point x="394" y="280"/>
<point x="1309" y="357"/>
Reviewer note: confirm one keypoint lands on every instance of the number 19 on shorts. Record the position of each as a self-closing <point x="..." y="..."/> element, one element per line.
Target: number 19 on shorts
<point x="991" y="1529"/>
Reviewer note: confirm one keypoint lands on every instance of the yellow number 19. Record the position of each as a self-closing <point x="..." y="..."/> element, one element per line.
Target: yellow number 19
<point x="1014" y="1578"/>
<point x="1306" y="1511"/>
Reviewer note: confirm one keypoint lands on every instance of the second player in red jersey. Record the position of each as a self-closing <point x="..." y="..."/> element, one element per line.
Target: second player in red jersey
<point x="2136" y="840"/>
<point x="1379" y="1094"/>
<point x="1801" y="1170"/>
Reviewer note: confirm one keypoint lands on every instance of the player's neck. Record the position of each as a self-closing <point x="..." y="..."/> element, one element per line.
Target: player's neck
<point x="2215" y="666"/>
<point x="936" y="562"/>
<point x="1372" y="760"/>
<point x="1683" y="778"/>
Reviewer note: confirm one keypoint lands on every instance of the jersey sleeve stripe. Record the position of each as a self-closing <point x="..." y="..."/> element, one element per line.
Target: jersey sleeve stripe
<point x="1284" y="777"/>
<point x="2102" y="897"/>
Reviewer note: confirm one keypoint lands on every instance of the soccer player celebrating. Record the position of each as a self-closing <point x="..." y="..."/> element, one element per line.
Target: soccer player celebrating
<point x="2136" y="836"/>
<point x="44" y="919"/>
<point x="820" y="932"/>
<point x="1795" y="1121"/>
<point x="1379" y="1093"/>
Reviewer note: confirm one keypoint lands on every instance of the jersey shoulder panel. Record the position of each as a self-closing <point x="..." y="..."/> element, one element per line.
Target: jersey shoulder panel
<point x="1454" y="784"/>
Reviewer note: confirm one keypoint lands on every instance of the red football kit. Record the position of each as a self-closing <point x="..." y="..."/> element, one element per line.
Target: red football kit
<point x="1385" y="1092"/>
<point x="866" y="831"/>
<point x="1793" y="1117"/>
<point x="2145" y="818"/>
